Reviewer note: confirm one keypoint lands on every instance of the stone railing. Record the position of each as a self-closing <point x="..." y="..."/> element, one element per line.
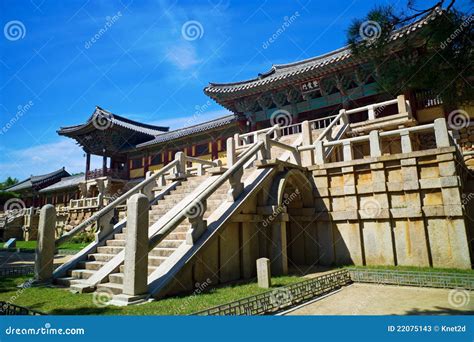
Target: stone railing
<point x="83" y="203"/>
<point x="374" y="139"/>
<point x="108" y="172"/>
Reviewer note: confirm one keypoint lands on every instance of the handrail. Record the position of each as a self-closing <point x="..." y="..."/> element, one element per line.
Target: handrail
<point x="372" y="106"/>
<point x="170" y="225"/>
<point x="200" y="161"/>
<point x="115" y="203"/>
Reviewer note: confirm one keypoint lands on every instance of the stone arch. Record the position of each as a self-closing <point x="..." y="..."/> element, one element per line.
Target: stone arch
<point x="292" y="191"/>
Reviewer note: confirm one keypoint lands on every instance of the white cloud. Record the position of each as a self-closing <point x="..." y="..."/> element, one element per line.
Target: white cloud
<point x="43" y="159"/>
<point x="183" y="56"/>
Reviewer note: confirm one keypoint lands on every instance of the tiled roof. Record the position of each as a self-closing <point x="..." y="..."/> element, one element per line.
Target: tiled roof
<point x="35" y="180"/>
<point x="283" y="73"/>
<point x="182" y="132"/>
<point x="65" y="183"/>
<point x="104" y="118"/>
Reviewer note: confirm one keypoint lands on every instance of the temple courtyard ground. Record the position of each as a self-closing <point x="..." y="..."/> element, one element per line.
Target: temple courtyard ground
<point x="372" y="299"/>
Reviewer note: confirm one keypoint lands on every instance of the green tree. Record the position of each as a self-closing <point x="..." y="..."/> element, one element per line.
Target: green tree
<point x="438" y="57"/>
<point x="8" y="182"/>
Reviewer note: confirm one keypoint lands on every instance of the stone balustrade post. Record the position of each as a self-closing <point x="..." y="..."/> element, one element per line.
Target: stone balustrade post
<point x="406" y="142"/>
<point x="371" y="113"/>
<point x="306" y="156"/>
<point x="181" y="167"/>
<point x="402" y="105"/>
<point x="264" y="273"/>
<point x="265" y="151"/>
<point x="105" y="225"/>
<point x="237" y="139"/>
<point x="344" y="117"/>
<point x="195" y="217"/>
<point x="347" y="151"/>
<point x="374" y="142"/>
<point x="46" y="244"/>
<point x="236" y="185"/>
<point x="277" y="130"/>
<point x="319" y="152"/>
<point x="135" y="274"/>
<point x="231" y="154"/>
<point x="441" y="133"/>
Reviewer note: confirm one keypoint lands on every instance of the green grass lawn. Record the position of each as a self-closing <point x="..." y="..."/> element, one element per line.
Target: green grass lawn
<point x="31" y="245"/>
<point x="59" y="301"/>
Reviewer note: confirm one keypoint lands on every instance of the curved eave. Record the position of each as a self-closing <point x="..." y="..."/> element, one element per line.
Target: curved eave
<point x="282" y="74"/>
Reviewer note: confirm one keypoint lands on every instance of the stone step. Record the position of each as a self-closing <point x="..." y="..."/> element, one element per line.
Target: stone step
<point x="81" y="274"/>
<point x="178" y="235"/>
<point x="115" y="242"/>
<point x="110" y="249"/>
<point x="91" y="265"/>
<point x="167" y="243"/>
<point x="120" y="236"/>
<point x="116" y="278"/>
<point x="67" y="281"/>
<point x="162" y="251"/>
<point x="155" y="260"/>
<point x="111" y="287"/>
<point x="101" y="257"/>
<point x="150" y="269"/>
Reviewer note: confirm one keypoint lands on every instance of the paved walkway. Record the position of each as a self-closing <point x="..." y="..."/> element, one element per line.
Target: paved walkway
<point x="368" y="299"/>
<point x="15" y="259"/>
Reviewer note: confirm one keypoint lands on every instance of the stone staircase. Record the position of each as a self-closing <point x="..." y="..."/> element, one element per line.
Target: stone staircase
<point x="117" y="243"/>
<point x="95" y="261"/>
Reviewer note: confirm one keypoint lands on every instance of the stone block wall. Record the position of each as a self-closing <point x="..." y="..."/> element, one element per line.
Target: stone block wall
<point x="400" y="209"/>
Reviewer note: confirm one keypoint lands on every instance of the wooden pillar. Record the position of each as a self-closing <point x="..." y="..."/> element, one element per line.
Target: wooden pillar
<point x="104" y="165"/>
<point x="88" y="163"/>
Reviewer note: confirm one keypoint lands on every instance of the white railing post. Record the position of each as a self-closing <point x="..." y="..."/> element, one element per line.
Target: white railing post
<point x="344" y="117"/>
<point x="441" y="133"/>
<point x="319" y="152"/>
<point x="237" y="139"/>
<point x="265" y="152"/>
<point x="405" y="142"/>
<point x="231" y="155"/>
<point x="347" y="151"/>
<point x="277" y="130"/>
<point x="181" y="166"/>
<point x="306" y="156"/>
<point x="402" y="104"/>
<point x="371" y="113"/>
<point x="374" y="142"/>
<point x="45" y="248"/>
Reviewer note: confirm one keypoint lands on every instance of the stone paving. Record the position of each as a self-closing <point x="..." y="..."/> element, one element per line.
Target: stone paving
<point x="371" y="299"/>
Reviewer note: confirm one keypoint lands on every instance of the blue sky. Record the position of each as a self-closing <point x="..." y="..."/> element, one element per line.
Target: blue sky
<point x="132" y="58"/>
